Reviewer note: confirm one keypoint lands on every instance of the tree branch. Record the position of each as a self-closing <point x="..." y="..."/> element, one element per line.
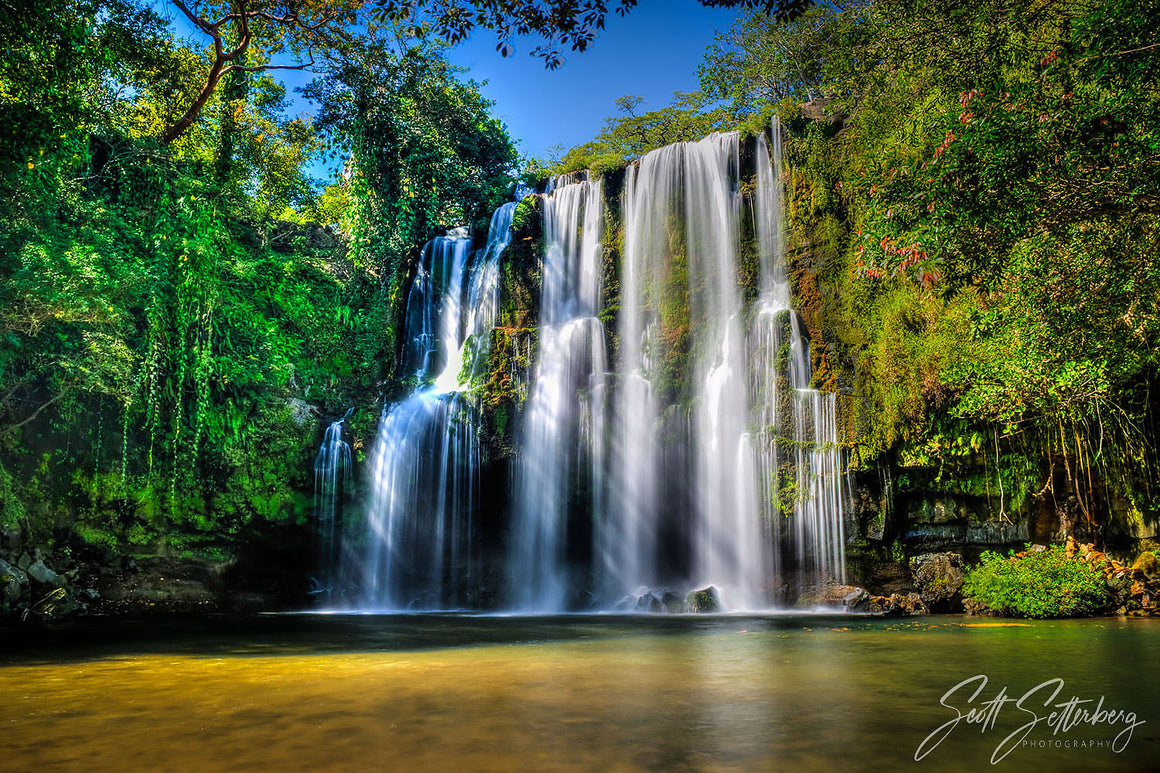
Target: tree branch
<point x="198" y="22"/>
<point x="264" y="67"/>
<point x="223" y="61"/>
<point x="216" y="70"/>
<point x="1119" y="53"/>
<point x="11" y="393"/>
<point x="39" y="410"/>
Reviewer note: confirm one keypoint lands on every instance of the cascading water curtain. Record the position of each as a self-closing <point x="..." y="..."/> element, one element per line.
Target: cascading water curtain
<point x="684" y="382"/>
<point x="796" y="453"/>
<point x="418" y="549"/>
<point x="701" y="456"/>
<point x="716" y="474"/>
<point x="562" y="456"/>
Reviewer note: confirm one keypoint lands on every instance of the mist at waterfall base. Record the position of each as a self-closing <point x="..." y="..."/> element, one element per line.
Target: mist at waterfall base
<point x="669" y="439"/>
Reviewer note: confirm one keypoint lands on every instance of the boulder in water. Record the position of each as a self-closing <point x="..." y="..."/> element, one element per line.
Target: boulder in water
<point x="42" y="574"/>
<point x="649" y="603"/>
<point x="855" y="599"/>
<point x="703" y="600"/>
<point x="670" y="601"/>
<point x="656" y="600"/>
<point x="905" y="605"/>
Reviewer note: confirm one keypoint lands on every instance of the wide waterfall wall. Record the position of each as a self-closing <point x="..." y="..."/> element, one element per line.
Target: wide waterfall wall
<point x="702" y="456"/>
<point x="659" y="432"/>
<point x="417" y="551"/>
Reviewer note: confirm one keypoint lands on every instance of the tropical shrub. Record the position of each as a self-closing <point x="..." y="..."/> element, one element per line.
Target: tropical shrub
<point x="1039" y="583"/>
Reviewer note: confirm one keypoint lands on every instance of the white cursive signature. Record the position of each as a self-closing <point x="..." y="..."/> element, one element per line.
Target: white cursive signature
<point x="1062" y="716"/>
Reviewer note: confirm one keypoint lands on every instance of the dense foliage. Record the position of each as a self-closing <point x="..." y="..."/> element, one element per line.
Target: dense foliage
<point x="172" y="323"/>
<point x="978" y="188"/>
<point x="974" y="201"/>
<point x="423" y="156"/>
<point x="1037" y="583"/>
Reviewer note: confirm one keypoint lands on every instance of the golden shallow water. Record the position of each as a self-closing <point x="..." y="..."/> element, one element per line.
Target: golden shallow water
<point x="731" y="694"/>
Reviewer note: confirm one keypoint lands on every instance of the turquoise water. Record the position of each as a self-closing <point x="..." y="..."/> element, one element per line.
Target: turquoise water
<point x="609" y="693"/>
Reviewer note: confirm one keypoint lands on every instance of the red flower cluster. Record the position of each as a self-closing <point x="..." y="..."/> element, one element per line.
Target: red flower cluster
<point x="911" y="255"/>
<point x="946" y="143"/>
<point x="869" y="272"/>
<point x="929" y="277"/>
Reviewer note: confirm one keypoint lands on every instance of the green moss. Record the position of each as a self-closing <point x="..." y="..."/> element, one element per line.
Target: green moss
<point x="673" y="344"/>
<point x="704" y="600"/>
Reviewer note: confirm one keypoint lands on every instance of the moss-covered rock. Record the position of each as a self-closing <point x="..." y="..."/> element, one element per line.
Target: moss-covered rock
<point x="702" y="601"/>
<point x="521" y="266"/>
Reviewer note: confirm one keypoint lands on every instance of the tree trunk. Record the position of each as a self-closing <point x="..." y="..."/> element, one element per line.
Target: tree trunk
<point x="179" y="128"/>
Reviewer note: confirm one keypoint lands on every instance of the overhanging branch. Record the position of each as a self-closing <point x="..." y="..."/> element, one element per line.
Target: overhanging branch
<point x="39" y="410"/>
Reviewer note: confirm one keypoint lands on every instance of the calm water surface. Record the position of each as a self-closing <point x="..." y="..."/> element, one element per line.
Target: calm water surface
<point x="607" y="693"/>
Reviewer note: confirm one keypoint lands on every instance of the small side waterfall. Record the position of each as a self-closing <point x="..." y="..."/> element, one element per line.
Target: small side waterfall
<point x="424" y="470"/>
<point x="796" y="453"/>
<point x="332" y="484"/>
<point x="561" y="467"/>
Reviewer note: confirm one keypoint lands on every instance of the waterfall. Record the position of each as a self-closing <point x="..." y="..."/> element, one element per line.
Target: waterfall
<point x="332" y="482"/>
<point x="561" y="464"/>
<point x="796" y="456"/>
<point x="682" y="231"/>
<point x="418" y="549"/>
<point x="681" y="447"/>
<point x="726" y="466"/>
<point x="627" y="535"/>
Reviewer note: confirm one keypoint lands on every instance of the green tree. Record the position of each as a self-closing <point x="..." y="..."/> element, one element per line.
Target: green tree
<point x="761" y="60"/>
<point x="632" y="135"/>
<point x="165" y="334"/>
<point x="422" y="155"/>
<point x="981" y="211"/>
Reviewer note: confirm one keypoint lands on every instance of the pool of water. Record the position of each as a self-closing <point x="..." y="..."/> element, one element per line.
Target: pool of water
<point x="610" y="693"/>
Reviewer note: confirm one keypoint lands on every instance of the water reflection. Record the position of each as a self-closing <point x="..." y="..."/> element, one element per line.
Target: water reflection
<point x="574" y="693"/>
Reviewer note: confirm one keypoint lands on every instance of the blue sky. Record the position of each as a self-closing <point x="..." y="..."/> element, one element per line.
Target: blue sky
<point x="652" y="52"/>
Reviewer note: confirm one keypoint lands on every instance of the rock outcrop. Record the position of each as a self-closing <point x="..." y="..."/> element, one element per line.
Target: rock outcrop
<point x="938" y="578"/>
